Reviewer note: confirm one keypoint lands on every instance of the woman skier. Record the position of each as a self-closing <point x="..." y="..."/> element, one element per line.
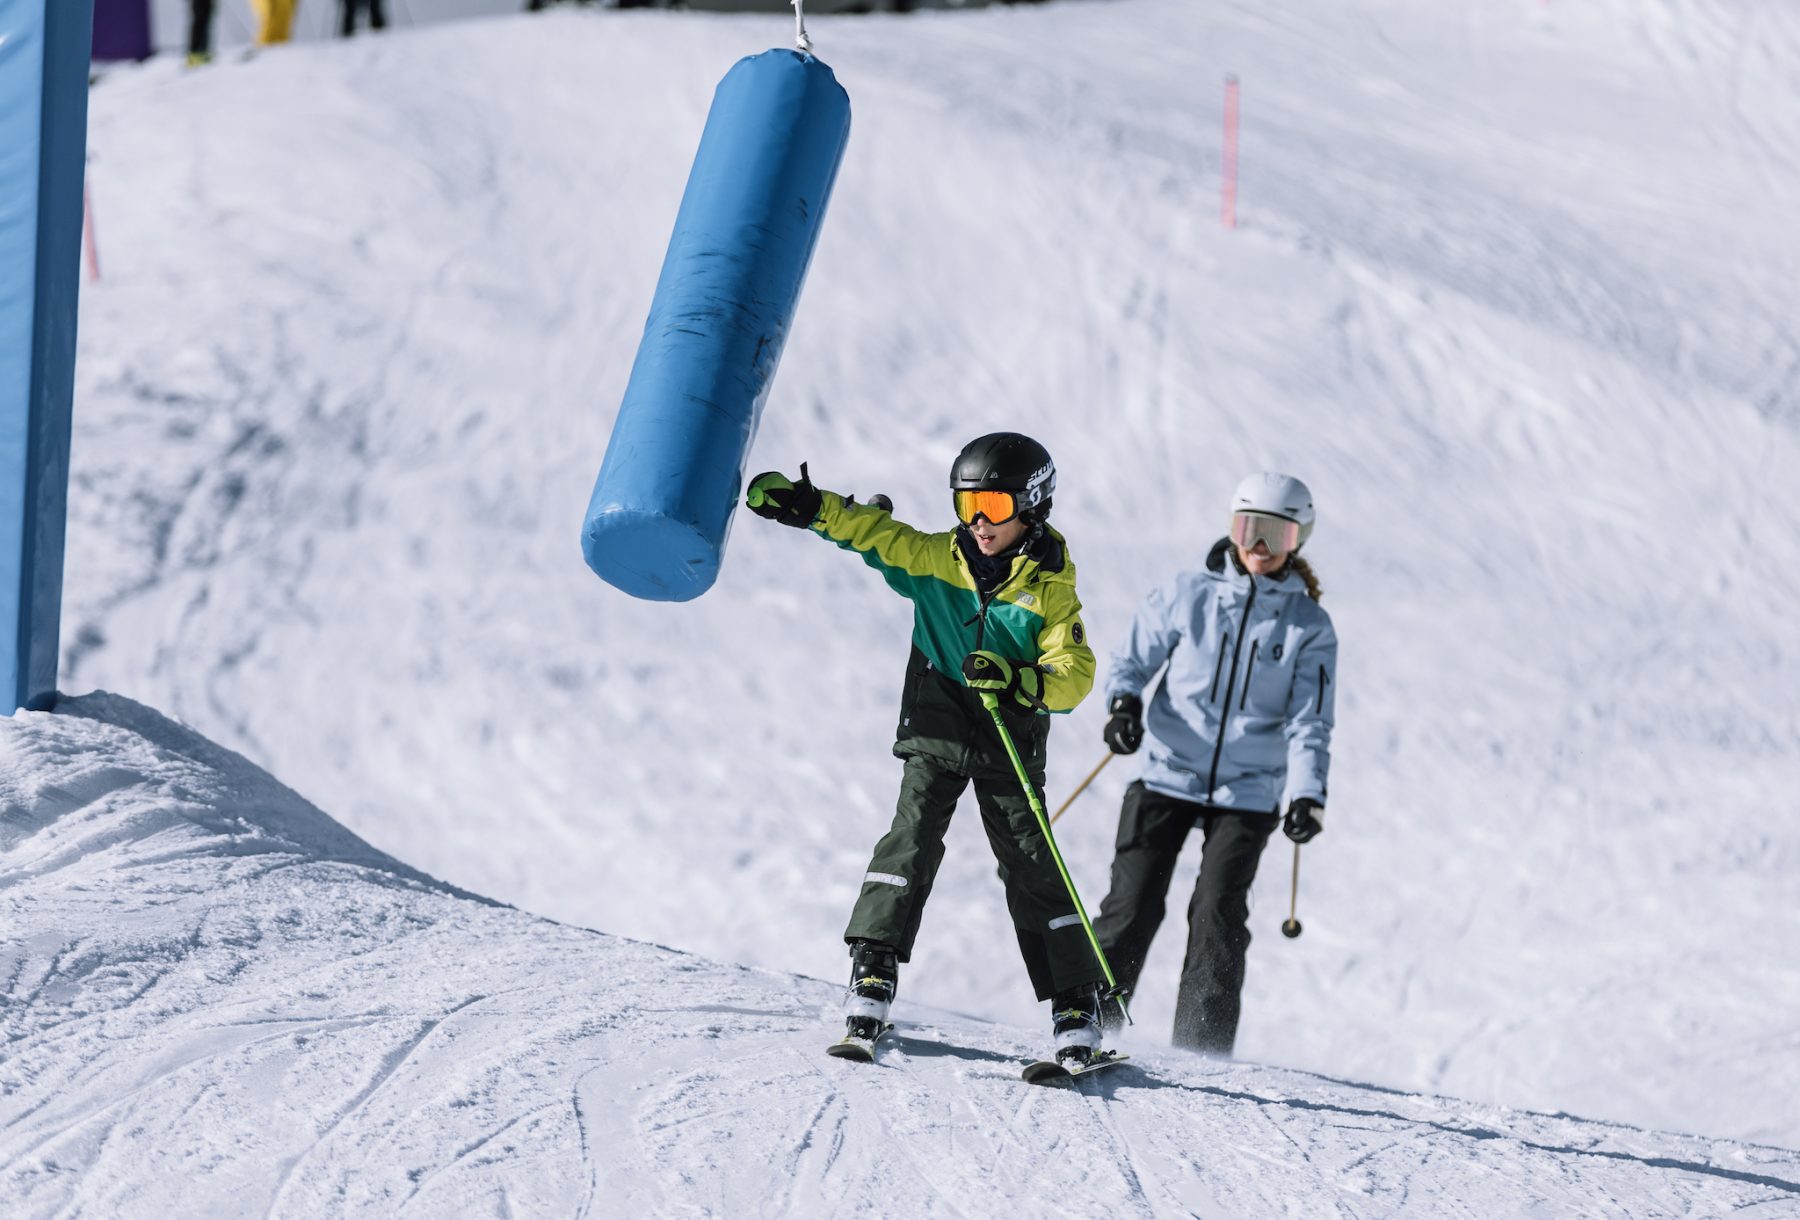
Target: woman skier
<point x="1240" y="725"/>
<point x="995" y="612"/>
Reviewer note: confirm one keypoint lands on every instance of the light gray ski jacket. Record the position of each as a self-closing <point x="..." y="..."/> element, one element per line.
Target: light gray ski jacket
<point x="1243" y="717"/>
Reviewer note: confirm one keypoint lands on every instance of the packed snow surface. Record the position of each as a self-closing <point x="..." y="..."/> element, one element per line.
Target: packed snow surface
<point x="1513" y="289"/>
<point x="226" y="1004"/>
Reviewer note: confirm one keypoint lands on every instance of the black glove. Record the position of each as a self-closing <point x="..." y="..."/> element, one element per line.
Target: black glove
<point x="779" y="498"/>
<point x="991" y="673"/>
<point x="1305" y="819"/>
<point x="1124" y="733"/>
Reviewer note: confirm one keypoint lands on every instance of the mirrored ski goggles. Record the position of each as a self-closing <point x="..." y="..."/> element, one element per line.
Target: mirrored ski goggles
<point x="998" y="507"/>
<point x="1277" y="533"/>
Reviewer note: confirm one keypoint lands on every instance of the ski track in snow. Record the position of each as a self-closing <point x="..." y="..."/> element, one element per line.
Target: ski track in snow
<point x="1513" y="290"/>
<point x="350" y="1039"/>
<point x="344" y="1037"/>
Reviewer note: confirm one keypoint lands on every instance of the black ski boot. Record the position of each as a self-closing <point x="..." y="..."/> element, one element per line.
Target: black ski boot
<point x="874" y="979"/>
<point x="1076" y="1017"/>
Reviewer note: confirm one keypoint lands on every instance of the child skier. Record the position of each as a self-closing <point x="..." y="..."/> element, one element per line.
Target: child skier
<point x="994" y="611"/>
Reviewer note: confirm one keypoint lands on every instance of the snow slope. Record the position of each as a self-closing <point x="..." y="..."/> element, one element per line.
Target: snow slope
<point x="228" y="1005"/>
<point x="1514" y="292"/>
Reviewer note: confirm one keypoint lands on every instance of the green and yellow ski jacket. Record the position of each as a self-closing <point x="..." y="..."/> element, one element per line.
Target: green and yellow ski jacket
<point x="1033" y="616"/>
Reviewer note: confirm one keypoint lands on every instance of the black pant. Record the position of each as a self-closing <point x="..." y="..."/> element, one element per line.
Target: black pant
<point x="1152" y="828"/>
<point x="377" y="15"/>
<point x="200" y="16"/>
<point x="905" y="864"/>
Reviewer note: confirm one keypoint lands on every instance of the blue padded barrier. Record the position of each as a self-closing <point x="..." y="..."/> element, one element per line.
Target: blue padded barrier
<point x="44" y="48"/>
<point x="662" y="507"/>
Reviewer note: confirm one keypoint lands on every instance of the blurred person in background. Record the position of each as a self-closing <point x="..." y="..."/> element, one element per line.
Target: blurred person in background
<point x="274" y="20"/>
<point x="348" y="9"/>
<point x="1240" y="726"/>
<point x="200" y="19"/>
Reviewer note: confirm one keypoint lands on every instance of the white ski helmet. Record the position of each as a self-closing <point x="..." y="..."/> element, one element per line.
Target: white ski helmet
<point x="1278" y="495"/>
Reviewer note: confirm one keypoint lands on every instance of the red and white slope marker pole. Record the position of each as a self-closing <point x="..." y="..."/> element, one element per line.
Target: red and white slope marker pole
<point x="89" y="242"/>
<point x="1228" y="191"/>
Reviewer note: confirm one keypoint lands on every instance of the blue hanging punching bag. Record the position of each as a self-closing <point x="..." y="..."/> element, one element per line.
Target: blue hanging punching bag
<point x="749" y="219"/>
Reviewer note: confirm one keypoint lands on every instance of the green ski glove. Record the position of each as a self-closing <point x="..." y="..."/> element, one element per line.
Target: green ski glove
<point x="991" y="673"/>
<point x="779" y="498"/>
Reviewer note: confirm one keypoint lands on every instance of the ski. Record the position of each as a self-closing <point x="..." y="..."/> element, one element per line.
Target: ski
<point x="1046" y="1071"/>
<point x="860" y="1050"/>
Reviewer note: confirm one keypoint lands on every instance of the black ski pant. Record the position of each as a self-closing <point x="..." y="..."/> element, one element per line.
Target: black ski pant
<point x="1152" y="829"/>
<point x="1057" y="954"/>
<point x="200" y="19"/>
<point x="347" y="14"/>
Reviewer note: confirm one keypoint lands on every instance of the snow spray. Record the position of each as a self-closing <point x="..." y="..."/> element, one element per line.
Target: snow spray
<point x="755" y="201"/>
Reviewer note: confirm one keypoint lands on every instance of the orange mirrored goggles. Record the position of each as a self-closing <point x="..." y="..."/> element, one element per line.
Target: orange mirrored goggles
<point x="998" y="507"/>
<point x="1277" y="533"/>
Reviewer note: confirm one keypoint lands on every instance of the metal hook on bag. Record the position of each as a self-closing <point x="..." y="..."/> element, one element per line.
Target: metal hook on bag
<point x="802" y="43"/>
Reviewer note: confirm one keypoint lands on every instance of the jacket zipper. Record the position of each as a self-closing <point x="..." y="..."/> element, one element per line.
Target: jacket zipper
<point x="1244" y="699"/>
<point x="981" y="631"/>
<point x="988" y="597"/>
<point x="1218" y="668"/>
<point x="1212" y="779"/>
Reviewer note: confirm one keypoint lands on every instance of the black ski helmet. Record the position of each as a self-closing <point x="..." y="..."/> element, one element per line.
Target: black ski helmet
<point x="1007" y="461"/>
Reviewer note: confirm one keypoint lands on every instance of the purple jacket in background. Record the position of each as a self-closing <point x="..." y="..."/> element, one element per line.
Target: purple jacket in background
<point x="121" y="29"/>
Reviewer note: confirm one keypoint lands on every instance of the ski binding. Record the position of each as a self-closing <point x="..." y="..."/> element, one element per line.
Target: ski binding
<point x="1048" y="1071"/>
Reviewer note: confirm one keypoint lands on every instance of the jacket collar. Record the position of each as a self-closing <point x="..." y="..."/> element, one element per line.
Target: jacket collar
<point x="1046" y="550"/>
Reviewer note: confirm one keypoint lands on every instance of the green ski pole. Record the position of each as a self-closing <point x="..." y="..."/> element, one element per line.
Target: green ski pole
<point x="992" y="702"/>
